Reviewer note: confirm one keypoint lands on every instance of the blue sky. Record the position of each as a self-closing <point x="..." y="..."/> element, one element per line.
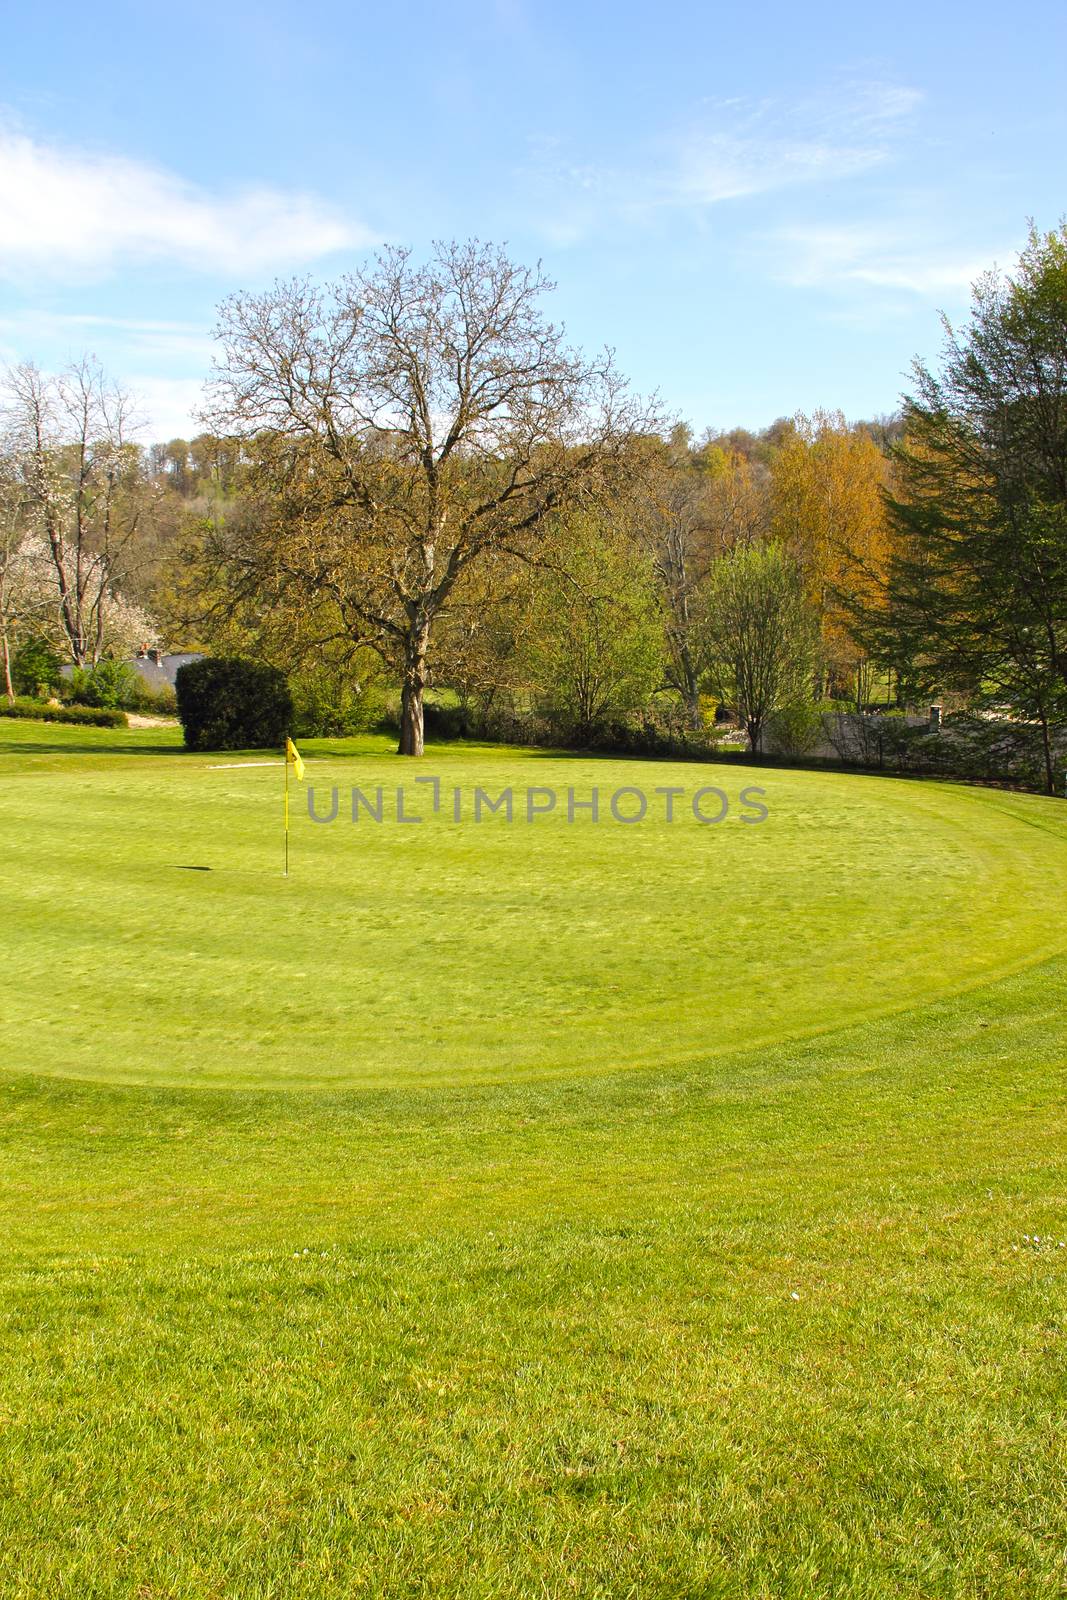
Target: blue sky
<point x="761" y="211"/>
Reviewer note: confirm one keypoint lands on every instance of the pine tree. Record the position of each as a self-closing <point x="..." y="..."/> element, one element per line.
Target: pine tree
<point x="976" y="598"/>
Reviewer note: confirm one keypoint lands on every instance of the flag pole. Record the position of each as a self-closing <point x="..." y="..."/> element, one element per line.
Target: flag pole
<point x="290" y="754"/>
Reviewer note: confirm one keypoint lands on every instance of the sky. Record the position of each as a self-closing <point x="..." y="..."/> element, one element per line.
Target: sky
<point x="762" y="210"/>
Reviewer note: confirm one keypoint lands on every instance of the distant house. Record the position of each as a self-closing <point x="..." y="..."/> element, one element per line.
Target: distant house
<point x="159" y="671"/>
<point x="155" y="669"/>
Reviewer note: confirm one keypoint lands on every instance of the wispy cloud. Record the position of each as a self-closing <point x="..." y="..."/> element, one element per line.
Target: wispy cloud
<point x="727" y="151"/>
<point x="134" y="336"/>
<point x="736" y="149"/>
<point x="876" y="257"/>
<point x="67" y="213"/>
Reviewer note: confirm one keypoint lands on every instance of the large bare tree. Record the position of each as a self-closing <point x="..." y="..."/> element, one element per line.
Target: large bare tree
<point x="405" y="422"/>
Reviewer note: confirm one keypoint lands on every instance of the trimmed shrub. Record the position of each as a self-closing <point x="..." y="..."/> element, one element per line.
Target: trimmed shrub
<point x="227" y="703"/>
<point x="85" y="716"/>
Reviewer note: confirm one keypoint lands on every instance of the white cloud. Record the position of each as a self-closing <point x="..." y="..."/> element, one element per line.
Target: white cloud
<point x="166" y="408"/>
<point x="66" y="213"/>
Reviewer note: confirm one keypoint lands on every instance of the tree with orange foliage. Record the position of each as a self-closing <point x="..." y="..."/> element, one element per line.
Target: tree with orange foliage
<point x="828" y="510"/>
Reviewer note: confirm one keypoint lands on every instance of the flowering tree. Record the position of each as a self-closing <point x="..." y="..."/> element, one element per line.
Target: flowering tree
<point x="27" y="586"/>
<point x="75" y="490"/>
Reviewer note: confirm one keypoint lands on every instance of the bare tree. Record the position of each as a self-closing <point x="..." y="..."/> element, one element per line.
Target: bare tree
<point x="408" y="421"/>
<point x="78" y="487"/>
<point x="691" y="508"/>
<point x="671" y="520"/>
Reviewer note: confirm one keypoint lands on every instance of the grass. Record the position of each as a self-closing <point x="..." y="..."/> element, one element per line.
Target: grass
<point x="527" y="1211"/>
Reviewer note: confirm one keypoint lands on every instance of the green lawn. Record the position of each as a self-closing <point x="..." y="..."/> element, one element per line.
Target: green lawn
<point x="530" y="1210"/>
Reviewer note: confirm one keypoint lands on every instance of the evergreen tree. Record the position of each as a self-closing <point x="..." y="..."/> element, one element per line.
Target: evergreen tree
<point x="976" y="598"/>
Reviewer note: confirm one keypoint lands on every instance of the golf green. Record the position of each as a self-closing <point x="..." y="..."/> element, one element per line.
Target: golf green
<point x="143" y="892"/>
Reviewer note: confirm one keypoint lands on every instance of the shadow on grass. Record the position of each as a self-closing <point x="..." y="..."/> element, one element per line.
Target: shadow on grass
<point x="48" y="747"/>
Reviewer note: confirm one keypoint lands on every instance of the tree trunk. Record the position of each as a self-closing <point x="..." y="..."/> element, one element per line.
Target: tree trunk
<point x="9" y="687"/>
<point x="1046" y="745"/>
<point x="690" y="690"/>
<point x="412" y="691"/>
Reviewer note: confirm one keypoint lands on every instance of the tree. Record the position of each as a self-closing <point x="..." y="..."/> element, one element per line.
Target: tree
<point x="761" y="633"/>
<point x="27" y="591"/>
<point x="593" y="644"/>
<point x="80" y="491"/>
<point x="976" y="591"/>
<point x="483" y="634"/>
<point x="737" y="508"/>
<point x="36" y="668"/>
<point x="688" y="507"/>
<point x="407" y="422"/>
<point x="671" y="517"/>
<point x="828" y="511"/>
<point x="25" y="587"/>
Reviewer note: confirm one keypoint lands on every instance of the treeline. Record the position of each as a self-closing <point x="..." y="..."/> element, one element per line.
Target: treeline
<point x="415" y="491"/>
<point x="609" y="615"/>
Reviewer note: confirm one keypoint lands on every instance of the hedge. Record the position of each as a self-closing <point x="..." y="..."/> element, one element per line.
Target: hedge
<point x="227" y="703"/>
<point x="85" y="716"/>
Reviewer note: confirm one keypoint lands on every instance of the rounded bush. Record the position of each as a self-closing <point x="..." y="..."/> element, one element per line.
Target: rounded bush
<point x="227" y="703"/>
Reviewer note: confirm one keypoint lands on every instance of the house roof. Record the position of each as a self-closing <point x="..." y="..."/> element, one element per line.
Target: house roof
<point x="161" y="673"/>
<point x="157" y="672"/>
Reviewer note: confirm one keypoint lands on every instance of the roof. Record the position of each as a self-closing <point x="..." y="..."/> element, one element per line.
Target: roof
<point x="161" y="673"/>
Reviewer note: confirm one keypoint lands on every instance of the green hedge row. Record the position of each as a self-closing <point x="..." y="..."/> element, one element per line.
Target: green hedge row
<point x="227" y="703"/>
<point x="86" y="716"/>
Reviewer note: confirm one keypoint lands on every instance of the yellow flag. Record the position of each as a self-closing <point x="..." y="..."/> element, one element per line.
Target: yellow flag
<point x="292" y="754"/>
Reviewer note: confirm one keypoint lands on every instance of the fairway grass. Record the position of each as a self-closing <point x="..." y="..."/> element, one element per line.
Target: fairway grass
<point x="660" y="1210"/>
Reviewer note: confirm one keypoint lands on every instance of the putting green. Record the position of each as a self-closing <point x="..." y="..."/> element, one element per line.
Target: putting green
<point x="450" y="951"/>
